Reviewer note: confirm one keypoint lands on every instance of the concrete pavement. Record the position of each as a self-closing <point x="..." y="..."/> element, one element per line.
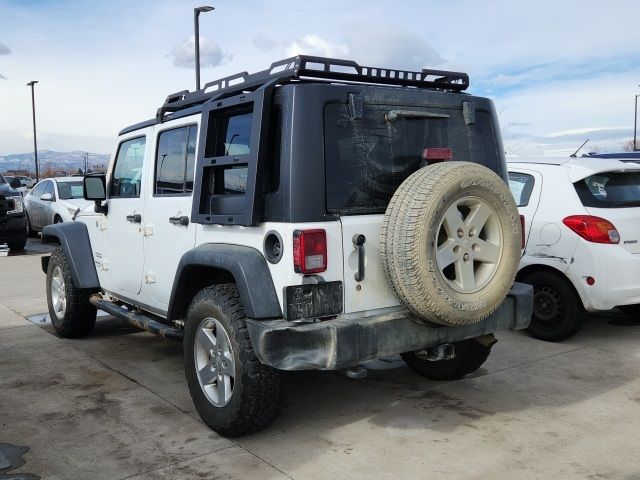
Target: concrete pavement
<point x="115" y="406"/>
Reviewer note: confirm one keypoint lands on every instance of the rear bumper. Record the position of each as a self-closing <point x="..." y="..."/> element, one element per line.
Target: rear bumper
<point x="345" y="341"/>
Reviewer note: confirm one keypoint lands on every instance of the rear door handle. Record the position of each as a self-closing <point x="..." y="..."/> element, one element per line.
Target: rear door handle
<point x="134" y="218"/>
<point x="358" y="243"/>
<point x="183" y="220"/>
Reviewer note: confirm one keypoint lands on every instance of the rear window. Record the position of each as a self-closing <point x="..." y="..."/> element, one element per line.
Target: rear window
<point x="366" y="159"/>
<point x="610" y="190"/>
<point x="521" y="186"/>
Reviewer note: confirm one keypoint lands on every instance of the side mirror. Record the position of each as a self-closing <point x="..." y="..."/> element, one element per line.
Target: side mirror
<point x="94" y="187"/>
<point x="15" y="183"/>
<point x="46" y="197"/>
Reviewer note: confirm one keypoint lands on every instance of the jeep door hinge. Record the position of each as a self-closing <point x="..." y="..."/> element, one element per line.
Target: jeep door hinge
<point x="150" y="277"/>
<point x="102" y="224"/>
<point x="104" y="264"/>
<point x="147" y="230"/>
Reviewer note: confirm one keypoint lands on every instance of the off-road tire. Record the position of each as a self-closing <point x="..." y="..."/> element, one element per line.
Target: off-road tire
<point x="18" y="244"/>
<point x="567" y="318"/>
<point x="258" y="388"/>
<point x="470" y="355"/>
<point x="409" y="242"/>
<point x="79" y="316"/>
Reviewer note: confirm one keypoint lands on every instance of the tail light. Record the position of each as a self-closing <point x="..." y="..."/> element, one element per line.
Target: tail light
<point x="593" y="229"/>
<point x="522" y="236"/>
<point x="310" y="251"/>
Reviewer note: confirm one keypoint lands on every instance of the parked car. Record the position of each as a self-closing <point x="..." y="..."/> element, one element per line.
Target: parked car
<point x="582" y="231"/>
<point x="27" y="182"/>
<point x="303" y="217"/>
<point x="22" y="189"/>
<point x="13" y="230"/>
<point x="53" y="200"/>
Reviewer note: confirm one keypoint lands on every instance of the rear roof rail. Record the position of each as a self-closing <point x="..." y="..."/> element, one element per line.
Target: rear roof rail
<point x="304" y="67"/>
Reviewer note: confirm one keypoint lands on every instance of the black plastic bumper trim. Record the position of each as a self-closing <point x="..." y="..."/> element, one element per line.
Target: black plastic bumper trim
<point x="347" y="341"/>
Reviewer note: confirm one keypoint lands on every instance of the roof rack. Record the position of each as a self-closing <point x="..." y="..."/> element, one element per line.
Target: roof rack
<point x="305" y="67"/>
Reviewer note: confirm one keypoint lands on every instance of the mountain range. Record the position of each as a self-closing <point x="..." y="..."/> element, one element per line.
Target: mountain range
<point x="56" y="161"/>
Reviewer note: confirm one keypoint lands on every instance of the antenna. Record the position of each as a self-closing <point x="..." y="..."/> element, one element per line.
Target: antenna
<point x="575" y="154"/>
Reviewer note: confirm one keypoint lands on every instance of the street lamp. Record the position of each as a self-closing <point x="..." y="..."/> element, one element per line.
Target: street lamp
<point x="196" y="27"/>
<point x="33" y="110"/>
<point x="635" y="123"/>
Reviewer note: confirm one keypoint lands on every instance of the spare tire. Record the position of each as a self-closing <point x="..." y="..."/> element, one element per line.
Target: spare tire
<point x="450" y="242"/>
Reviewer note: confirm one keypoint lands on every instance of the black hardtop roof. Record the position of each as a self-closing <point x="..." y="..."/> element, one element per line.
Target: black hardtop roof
<point x="298" y="69"/>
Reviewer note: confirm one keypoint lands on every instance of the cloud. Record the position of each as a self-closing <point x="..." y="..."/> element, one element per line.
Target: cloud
<point x="4" y="50"/>
<point x="2" y="77"/>
<point x="211" y="55"/>
<point x="263" y="43"/>
<point x="315" y="45"/>
<point x="387" y="46"/>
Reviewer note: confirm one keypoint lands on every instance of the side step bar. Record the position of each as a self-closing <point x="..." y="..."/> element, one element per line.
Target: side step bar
<point x="136" y="319"/>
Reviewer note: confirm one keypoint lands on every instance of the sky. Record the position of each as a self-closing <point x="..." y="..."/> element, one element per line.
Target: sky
<point x="558" y="71"/>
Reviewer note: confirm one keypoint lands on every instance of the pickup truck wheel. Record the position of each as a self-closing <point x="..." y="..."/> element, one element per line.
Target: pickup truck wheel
<point x="450" y="242"/>
<point x="233" y="392"/>
<point x="469" y="356"/>
<point x="71" y="313"/>
<point x="557" y="309"/>
<point x="18" y="244"/>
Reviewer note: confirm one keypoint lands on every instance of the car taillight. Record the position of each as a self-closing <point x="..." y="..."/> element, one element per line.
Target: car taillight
<point x="310" y="251"/>
<point x="593" y="229"/>
<point x="522" y="236"/>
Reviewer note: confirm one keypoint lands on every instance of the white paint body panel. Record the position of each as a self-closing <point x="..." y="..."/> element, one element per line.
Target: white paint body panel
<point x="616" y="268"/>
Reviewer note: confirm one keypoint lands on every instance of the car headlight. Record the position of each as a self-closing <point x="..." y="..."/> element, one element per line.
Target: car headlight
<point x="18" y="206"/>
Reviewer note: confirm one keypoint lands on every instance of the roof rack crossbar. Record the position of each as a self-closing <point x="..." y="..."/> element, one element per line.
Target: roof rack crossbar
<point x="305" y="67"/>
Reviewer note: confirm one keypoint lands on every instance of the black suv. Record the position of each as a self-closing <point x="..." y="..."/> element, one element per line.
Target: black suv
<point x="13" y="227"/>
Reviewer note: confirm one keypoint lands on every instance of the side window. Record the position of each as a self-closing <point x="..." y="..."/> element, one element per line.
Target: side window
<point x="175" y="161"/>
<point x="49" y="188"/>
<point x="38" y="189"/>
<point x="127" y="175"/>
<point x="232" y="132"/>
<point x="521" y="186"/>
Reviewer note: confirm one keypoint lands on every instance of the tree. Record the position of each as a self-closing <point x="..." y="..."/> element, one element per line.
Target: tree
<point x="79" y="172"/>
<point x="628" y="145"/>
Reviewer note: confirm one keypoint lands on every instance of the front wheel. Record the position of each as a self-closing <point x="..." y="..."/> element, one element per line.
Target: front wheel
<point x="469" y="356"/>
<point x="71" y="313"/>
<point x="233" y="392"/>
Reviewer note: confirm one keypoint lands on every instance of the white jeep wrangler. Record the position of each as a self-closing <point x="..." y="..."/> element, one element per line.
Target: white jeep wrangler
<point x="310" y="216"/>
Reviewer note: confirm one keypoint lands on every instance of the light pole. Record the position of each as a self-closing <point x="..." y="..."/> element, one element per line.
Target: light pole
<point x="196" y="27"/>
<point x="33" y="111"/>
<point x="635" y="124"/>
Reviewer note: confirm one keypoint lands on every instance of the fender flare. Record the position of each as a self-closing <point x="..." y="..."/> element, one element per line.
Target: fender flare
<point x="73" y="237"/>
<point x="246" y="265"/>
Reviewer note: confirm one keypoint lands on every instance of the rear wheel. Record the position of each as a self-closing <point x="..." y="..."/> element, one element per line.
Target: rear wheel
<point x="470" y="355"/>
<point x="71" y="313"/>
<point x="557" y="309"/>
<point x="233" y="392"/>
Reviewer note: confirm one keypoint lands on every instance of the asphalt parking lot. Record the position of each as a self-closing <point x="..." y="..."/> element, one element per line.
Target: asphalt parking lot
<point x="115" y="406"/>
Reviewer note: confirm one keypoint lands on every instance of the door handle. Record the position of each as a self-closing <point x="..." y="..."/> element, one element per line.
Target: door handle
<point x="358" y="243"/>
<point x="134" y="218"/>
<point x="183" y="220"/>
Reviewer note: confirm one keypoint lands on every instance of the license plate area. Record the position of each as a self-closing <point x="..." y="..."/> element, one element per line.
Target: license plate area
<point x="308" y="302"/>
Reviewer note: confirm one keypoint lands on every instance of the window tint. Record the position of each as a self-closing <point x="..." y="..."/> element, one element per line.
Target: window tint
<point x="38" y="189"/>
<point x="610" y="190"/>
<point x="69" y="190"/>
<point x="175" y="161"/>
<point x="127" y="175"/>
<point x="49" y="188"/>
<point x="521" y="186"/>
<point x="229" y="132"/>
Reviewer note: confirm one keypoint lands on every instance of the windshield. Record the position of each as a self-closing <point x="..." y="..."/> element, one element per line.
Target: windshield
<point x="610" y="190"/>
<point x="70" y="190"/>
<point x="2" y="179"/>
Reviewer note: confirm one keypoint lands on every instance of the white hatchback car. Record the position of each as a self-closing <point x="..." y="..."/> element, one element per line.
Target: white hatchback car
<point x="53" y="200"/>
<point x="582" y="238"/>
